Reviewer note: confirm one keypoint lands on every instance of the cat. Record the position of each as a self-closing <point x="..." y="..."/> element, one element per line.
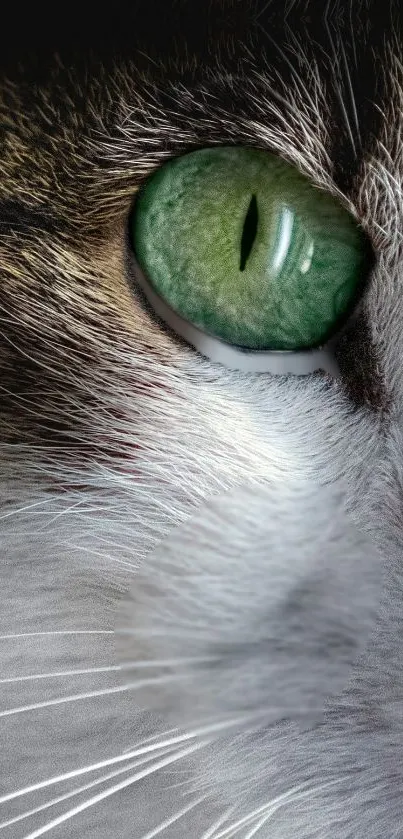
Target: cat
<point x="201" y="581"/>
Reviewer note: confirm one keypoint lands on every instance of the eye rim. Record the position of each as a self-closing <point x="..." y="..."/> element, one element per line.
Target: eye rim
<point x="302" y="362"/>
<point x="276" y="362"/>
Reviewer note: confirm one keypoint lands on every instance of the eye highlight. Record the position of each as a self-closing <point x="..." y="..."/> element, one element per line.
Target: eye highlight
<point x="244" y="247"/>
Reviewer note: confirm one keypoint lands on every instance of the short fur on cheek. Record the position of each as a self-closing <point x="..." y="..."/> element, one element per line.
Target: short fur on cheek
<point x="255" y="612"/>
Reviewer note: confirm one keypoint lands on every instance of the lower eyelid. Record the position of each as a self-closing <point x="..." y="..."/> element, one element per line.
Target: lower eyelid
<point x="300" y="363"/>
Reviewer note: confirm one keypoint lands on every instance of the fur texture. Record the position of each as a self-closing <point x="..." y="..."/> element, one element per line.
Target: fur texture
<point x="201" y="579"/>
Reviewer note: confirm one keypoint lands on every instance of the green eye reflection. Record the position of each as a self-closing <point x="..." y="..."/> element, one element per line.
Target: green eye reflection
<point x="243" y="246"/>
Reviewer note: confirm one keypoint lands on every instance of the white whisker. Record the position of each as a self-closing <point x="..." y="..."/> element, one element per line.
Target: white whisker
<point x="57" y="632"/>
<point x="64" y="512"/>
<point x="295" y="794"/>
<point x="83" y="788"/>
<point x="26" y="508"/>
<point x="142" y="750"/>
<point x="65" y="700"/>
<point x="84" y="770"/>
<point x="96" y="799"/>
<point x="167" y="823"/>
<point x="255" y="830"/>
<point x="75" y="773"/>
<point x="133" y="665"/>
<point x="234" y="828"/>
<point x="65" y="673"/>
<point x="77" y="697"/>
<point x="160" y="734"/>
<point x="134" y="567"/>
<point x="214" y="827"/>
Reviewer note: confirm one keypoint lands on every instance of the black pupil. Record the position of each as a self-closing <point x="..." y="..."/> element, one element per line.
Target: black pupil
<point x="249" y="232"/>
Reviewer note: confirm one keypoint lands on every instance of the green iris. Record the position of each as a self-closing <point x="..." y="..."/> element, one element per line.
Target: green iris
<point x="243" y="246"/>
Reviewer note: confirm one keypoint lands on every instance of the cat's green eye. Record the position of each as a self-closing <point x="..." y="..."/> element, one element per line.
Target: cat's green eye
<point x="241" y="245"/>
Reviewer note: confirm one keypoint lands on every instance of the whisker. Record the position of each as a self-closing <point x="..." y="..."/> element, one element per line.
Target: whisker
<point x="257" y="827"/>
<point x="151" y="738"/>
<point x="211" y="728"/>
<point x="26" y="508"/>
<point x="221" y="726"/>
<point x="74" y="698"/>
<point x="96" y="799"/>
<point x="133" y="665"/>
<point x="172" y="741"/>
<point x="296" y="793"/>
<point x="234" y="828"/>
<point x="83" y="770"/>
<point x="78" y="790"/>
<point x="57" y="632"/>
<point x="167" y="823"/>
<point x="62" y="673"/>
<point x="220" y="821"/>
<point x="64" y="512"/>
<point x="77" y="697"/>
<point x="134" y="567"/>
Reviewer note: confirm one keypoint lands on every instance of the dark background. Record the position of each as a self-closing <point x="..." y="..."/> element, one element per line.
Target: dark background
<point x="31" y="33"/>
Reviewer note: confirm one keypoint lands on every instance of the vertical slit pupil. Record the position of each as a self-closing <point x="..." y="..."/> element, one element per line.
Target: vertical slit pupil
<point x="249" y="232"/>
